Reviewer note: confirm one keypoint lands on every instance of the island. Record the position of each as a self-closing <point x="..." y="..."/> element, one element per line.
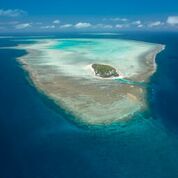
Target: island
<point x="80" y="76"/>
<point x="104" y="71"/>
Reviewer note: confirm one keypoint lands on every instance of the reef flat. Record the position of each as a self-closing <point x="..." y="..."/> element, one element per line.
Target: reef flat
<point x="62" y="69"/>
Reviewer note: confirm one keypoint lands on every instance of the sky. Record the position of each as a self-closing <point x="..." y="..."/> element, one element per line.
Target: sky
<point x="88" y="15"/>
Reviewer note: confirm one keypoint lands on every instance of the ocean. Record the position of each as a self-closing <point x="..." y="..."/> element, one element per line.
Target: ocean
<point x="39" y="140"/>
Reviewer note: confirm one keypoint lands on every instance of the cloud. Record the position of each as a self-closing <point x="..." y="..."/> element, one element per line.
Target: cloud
<point x="56" y="21"/>
<point x="119" y="26"/>
<point x="82" y="25"/>
<point x="155" y="24"/>
<point x="117" y="19"/>
<point x="11" y="12"/>
<point x="137" y="22"/>
<point x="66" y="26"/>
<point x="122" y="25"/>
<point x="23" y="26"/>
<point x="48" y="27"/>
<point x="139" y="25"/>
<point x="172" y="20"/>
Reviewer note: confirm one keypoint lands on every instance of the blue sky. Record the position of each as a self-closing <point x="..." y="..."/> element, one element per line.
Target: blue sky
<point x="88" y="15"/>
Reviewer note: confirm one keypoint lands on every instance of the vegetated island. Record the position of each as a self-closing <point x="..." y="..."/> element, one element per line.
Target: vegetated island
<point x="104" y="71"/>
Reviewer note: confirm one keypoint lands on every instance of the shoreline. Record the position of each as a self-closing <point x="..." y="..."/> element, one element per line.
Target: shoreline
<point x="150" y="60"/>
<point x="89" y="67"/>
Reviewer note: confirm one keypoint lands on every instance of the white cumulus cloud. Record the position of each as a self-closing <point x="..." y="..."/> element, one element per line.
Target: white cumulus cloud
<point x="119" y="19"/>
<point x="22" y="25"/>
<point x="56" y="21"/>
<point x="137" y="22"/>
<point x="172" y="20"/>
<point x="155" y="24"/>
<point x="66" y="26"/>
<point x="139" y="25"/>
<point x="12" y="12"/>
<point x="119" y="26"/>
<point x="82" y="25"/>
<point x="48" y="27"/>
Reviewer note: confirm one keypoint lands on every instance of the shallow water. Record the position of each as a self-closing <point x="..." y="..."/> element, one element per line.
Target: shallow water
<point x="71" y="81"/>
<point x="121" y="54"/>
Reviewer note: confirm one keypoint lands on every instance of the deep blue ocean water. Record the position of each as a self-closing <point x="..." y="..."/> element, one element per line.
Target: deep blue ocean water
<point x="39" y="141"/>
